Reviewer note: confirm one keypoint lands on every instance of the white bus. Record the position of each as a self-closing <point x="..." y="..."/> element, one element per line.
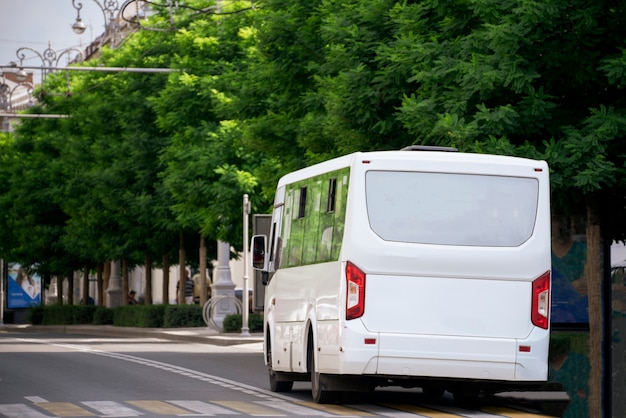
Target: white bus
<point x="419" y="268"/>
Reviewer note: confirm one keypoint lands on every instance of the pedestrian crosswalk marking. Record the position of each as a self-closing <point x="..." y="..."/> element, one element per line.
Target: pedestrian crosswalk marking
<point x="421" y="411"/>
<point x="203" y="407"/>
<point x="511" y="413"/>
<point x="250" y="409"/>
<point x="294" y="408"/>
<point x="20" y="410"/>
<point x="386" y="411"/>
<point x="263" y="408"/>
<point x="35" y="399"/>
<point x="459" y="412"/>
<point x="159" y="407"/>
<point x="64" y="409"/>
<point x="337" y="409"/>
<point x="109" y="408"/>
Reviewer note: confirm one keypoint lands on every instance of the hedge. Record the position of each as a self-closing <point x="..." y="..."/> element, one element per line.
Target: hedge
<point x="232" y="323"/>
<point x="141" y="316"/>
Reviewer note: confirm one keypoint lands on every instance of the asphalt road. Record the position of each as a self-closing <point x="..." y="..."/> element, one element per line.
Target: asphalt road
<point x="69" y="375"/>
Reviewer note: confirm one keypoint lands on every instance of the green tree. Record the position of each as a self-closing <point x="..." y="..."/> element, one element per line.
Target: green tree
<point x="207" y="169"/>
<point x="272" y="101"/>
<point x="533" y="79"/>
<point x="539" y="79"/>
<point x="33" y="222"/>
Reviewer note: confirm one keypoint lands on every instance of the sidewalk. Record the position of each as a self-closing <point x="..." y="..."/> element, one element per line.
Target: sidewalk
<point x="203" y="335"/>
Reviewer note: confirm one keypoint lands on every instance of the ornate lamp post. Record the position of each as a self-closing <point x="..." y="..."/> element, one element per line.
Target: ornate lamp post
<point x="15" y="94"/>
<point x="110" y="9"/>
<point x="114" y="15"/>
<point x="49" y="59"/>
<point x="15" y="87"/>
<point x="9" y="103"/>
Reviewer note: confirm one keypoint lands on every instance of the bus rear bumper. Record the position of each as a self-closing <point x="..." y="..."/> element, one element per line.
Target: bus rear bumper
<point x="447" y="357"/>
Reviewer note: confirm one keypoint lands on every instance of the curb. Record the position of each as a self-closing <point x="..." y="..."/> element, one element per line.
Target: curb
<point x="196" y="335"/>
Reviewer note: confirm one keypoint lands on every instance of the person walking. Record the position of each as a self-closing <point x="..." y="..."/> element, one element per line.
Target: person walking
<point x="188" y="283"/>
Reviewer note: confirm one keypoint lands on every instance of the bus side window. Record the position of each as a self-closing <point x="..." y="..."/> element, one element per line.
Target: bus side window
<point x="272" y="242"/>
<point x="302" y="203"/>
<point x="278" y="250"/>
<point x="275" y="248"/>
<point x="332" y="192"/>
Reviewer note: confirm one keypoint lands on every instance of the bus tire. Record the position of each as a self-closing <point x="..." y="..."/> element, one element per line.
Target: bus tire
<point x="319" y="394"/>
<point x="276" y="384"/>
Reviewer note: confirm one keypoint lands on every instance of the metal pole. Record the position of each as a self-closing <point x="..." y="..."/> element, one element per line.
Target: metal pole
<point x="33" y="115"/>
<point x="93" y="69"/>
<point x="245" y="330"/>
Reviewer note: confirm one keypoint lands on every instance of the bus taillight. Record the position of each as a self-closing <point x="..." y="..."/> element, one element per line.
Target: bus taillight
<point x="355" y="288"/>
<point x="540" y="314"/>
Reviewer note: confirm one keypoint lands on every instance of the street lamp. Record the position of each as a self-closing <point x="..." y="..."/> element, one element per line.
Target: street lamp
<point x="21" y="75"/>
<point x="79" y="26"/>
<point x="109" y="9"/>
<point x="113" y="13"/>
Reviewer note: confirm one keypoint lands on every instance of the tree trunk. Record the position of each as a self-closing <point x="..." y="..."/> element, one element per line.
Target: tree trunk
<point x="594" y="289"/>
<point x="85" y="285"/>
<point x="148" y="292"/>
<point x="203" y="282"/>
<point x="125" y="288"/>
<point x="70" y="288"/>
<point x="106" y="275"/>
<point x="166" y="279"/>
<point x="60" y="280"/>
<point x="46" y="282"/>
<point x="181" y="269"/>
<point x="100" y="284"/>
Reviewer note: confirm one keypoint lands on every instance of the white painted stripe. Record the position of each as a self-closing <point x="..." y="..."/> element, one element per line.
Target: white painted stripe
<point x="462" y="412"/>
<point x="386" y="412"/>
<point x="112" y="409"/>
<point x="204" y="407"/>
<point x="294" y="408"/>
<point x="35" y="399"/>
<point x="19" y="410"/>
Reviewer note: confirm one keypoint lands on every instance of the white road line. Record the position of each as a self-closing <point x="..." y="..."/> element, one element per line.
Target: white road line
<point x="112" y="409"/>
<point x="19" y="410"/>
<point x="386" y="412"/>
<point x="204" y="407"/>
<point x="462" y="412"/>
<point x="295" y="408"/>
<point x="35" y="399"/>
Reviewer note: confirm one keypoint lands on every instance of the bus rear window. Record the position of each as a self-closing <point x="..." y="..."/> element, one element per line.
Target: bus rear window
<point x="451" y="209"/>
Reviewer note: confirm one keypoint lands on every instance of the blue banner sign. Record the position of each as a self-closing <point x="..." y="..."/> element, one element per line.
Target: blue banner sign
<point x="24" y="289"/>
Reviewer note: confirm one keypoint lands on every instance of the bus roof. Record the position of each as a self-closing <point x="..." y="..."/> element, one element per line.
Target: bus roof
<point x="434" y="156"/>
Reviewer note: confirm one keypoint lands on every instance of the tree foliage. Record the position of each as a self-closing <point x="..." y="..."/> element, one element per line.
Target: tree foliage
<point x="258" y="92"/>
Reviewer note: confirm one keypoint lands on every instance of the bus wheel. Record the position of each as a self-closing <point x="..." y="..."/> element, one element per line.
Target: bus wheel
<point x="319" y="395"/>
<point x="276" y="385"/>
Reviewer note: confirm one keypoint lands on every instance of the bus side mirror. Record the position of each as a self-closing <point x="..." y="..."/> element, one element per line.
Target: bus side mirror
<point x="258" y="252"/>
